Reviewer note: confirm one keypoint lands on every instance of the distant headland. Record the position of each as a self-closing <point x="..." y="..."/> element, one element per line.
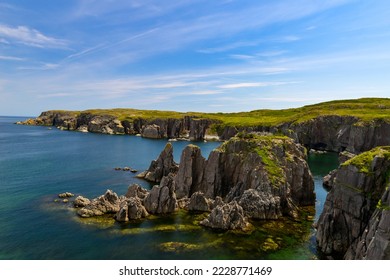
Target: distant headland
<point x="355" y="125"/>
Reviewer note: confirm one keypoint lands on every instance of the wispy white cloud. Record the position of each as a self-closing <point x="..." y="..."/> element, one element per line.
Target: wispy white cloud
<point x="31" y="37"/>
<point x="12" y="58"/>
<point x="251" y="85"/>
<point x="229" y="47"/>
<point x="55" y="95"/>
<point x="41" y="66"/>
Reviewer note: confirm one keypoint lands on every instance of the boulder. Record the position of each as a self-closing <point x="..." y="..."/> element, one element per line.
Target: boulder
<point x="65" y="195"/>
<point x="229" y="216"/>
<point x="198" y="202"/>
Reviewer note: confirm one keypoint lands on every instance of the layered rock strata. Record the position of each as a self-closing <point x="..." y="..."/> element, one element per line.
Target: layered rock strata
<point x="355" y="222"/>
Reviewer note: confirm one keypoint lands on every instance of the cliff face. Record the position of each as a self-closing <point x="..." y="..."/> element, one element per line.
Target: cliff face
<point x="268" y="170"/>
<point x="187" y="127"/>
<point x="328" y="132"/>
<point x="355" y="222"/>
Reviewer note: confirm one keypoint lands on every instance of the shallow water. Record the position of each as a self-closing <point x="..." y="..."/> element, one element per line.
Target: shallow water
<point x="37" y="163"/>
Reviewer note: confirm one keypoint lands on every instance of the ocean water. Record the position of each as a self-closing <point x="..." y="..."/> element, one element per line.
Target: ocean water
<point x="38" y="163"/>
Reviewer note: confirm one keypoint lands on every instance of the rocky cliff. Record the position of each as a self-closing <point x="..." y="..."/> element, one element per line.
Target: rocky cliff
<point x="355" y="222"/>
<point x="248" y="177"/>
<point x="321" y="132"/>
<point x="328" y="133"/>
<point x="189" y="127"/>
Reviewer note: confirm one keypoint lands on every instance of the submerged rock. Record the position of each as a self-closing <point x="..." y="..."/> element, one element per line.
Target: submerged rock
<point x="65" y="195"/>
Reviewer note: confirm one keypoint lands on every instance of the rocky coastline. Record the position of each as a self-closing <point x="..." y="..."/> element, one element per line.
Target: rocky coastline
<point x="260" y="177"/>
<point x="325" y="132"/>
<point x="258" y="173"/>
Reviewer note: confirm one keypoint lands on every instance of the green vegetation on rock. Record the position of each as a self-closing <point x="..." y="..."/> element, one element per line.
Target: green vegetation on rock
<point x="364" y="109"/>
<point x="364" y="161"/>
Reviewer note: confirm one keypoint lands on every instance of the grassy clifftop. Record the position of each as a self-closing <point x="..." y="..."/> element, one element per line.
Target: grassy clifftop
<point x="366" y="109"/>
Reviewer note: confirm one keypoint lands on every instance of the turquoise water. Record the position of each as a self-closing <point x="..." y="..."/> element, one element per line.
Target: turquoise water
<point x="37" y="163"/>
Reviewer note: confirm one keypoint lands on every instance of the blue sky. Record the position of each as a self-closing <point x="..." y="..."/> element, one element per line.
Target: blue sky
<point x="190" y="55"/>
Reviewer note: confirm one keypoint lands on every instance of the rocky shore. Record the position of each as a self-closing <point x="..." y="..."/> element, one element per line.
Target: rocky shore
<point x="249" y="177"/>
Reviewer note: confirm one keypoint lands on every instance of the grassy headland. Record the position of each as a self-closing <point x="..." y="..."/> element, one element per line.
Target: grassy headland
<point x="365" y="109"/>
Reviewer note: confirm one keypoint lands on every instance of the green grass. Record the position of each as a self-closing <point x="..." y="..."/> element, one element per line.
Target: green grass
<point x="364" y="160"/>
<point x="365" y="109"/>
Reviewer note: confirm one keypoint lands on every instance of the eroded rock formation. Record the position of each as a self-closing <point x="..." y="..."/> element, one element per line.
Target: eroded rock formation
<point x="161" y="167"/>
<point x="355" y="221"/>
<point x="258" y="177"/>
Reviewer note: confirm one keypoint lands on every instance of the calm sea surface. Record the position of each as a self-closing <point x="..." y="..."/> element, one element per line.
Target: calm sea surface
<point x="37" y="163"/>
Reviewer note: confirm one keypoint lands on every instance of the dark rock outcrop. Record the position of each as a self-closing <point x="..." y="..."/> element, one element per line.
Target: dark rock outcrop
<point x="273" y="166"/>
<point x="356" y="209"/>
<point x="254" y="176"/>
<point x="190" y="173"/>
<point x="161" y="167"/>
<point x="266" y="175"/>
<point x="162" y="198"/>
